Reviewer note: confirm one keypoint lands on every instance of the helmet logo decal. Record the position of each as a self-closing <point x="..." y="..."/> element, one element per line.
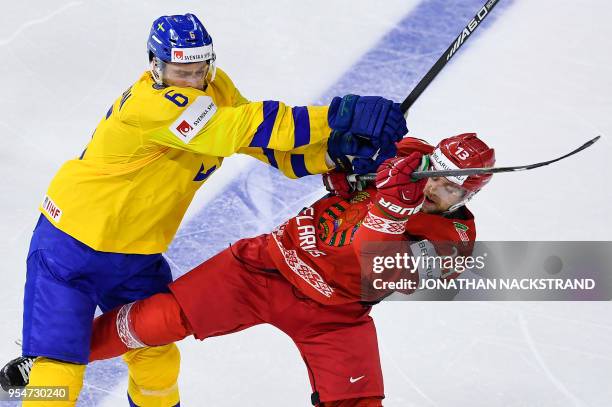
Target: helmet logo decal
<point x="177" y="55"/>
<point x="194" y="54"/>
<point x="441" y="162"/>
<point x="462" y="154"/>
<point x="160" y="27"/>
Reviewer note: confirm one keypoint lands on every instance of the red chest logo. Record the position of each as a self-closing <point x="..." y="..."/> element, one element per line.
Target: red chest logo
<point x="184" y="128"/>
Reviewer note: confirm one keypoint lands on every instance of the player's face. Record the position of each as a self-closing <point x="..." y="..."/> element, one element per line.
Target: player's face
<point x="441" y="194"/>
<point x="186" y="75"/>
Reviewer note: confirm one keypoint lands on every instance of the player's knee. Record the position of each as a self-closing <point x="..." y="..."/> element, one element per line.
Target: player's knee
<point x="49" y="372"/>
<point x="159" y="320"/>
<point x="356" y="402"/>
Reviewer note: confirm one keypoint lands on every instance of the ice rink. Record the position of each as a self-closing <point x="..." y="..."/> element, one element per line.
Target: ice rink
<point x="534" y="82"/>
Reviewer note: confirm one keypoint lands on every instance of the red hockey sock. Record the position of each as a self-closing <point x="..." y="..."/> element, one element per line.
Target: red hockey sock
<point x="154" y="321"/>
<point x="105" y="342"/>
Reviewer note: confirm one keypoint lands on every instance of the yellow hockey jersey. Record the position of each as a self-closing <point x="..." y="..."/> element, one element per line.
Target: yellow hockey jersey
<point x="129" y="190"/>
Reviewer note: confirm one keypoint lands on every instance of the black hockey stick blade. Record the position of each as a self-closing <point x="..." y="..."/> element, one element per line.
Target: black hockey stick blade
<point x="478" y="171"/>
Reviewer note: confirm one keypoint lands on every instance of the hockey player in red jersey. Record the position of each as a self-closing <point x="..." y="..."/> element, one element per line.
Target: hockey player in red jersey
<point x="305" y="277"/>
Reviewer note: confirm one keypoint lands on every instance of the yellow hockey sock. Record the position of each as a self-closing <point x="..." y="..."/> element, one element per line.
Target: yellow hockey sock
<point x="153" y="375"/>
<point x="48" y="372"/>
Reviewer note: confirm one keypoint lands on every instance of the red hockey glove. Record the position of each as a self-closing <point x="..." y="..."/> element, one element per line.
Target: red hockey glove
<point x="336" y="182"/>
<point x="399" y="195"/>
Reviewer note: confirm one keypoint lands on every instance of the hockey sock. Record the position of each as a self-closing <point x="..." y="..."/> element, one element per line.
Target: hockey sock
<point x="153" y="374"/>
<point x="154" y="321"/>
<point x="105" y="340"/>
<point x="49" y="372"/>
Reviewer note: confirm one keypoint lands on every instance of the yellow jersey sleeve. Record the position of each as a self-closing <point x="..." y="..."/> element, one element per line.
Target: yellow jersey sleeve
<point x="297" y="163"/>
<point x="205" y="128"/>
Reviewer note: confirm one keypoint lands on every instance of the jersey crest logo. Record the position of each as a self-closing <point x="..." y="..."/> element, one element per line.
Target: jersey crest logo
<point x="360" y="197"/>
<point x="462" y="231"/>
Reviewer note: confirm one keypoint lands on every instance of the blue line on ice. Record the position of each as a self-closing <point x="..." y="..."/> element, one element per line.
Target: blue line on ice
<point x="248" y="207"/>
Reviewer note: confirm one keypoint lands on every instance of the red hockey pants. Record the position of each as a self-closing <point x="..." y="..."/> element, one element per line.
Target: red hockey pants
<point x="239" y="288"/>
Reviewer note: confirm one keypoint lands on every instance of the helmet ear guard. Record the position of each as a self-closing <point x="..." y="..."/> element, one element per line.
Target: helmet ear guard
<point x="212" y="68"/>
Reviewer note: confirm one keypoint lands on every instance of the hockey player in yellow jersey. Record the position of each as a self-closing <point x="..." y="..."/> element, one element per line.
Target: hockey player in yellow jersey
<point x="109" y="214"/>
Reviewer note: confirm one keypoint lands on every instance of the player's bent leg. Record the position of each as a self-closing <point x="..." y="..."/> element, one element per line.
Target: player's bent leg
<point x="345" y="334"/>
<point x="154" y="321"/>
<point x="153" y="376"/>
<point x="359" y="402"/>
<point x="48" y="372"/>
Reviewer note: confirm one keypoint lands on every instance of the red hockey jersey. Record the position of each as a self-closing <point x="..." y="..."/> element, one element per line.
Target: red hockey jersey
<point x="323" y="249"/>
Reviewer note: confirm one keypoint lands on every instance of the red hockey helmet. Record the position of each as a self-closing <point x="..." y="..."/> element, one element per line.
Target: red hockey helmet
<point x="464" y="151"/>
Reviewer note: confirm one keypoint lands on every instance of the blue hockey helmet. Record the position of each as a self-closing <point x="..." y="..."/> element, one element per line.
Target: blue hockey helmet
<point x="179" y="39"/>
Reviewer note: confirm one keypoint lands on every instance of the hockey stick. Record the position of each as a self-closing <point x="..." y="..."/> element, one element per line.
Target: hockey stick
<point x="447" y="55"/>
<point x="478" y="171"/>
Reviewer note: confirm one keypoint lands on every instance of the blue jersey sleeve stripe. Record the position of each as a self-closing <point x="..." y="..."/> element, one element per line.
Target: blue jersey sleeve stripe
<point x="298" y="165"/>
<point x="302" y="126"/>
<point x="125" y="97"/>
<point x="264" y="131"/>
<point x="269" y="153"/>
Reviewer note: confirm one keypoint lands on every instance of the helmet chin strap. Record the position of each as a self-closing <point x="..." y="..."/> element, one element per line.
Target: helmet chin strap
<point x="157" y="70"/>
<point x="212" y="68"/>
<point x="461" y="203"/>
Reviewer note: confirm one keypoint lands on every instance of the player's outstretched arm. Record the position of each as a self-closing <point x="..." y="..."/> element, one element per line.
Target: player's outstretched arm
<point x="358" y="132"/>
<point x="300" y="162"/>
<point x="378" y="122"/>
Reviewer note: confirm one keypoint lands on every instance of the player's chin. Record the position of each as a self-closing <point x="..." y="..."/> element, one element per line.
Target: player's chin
<point x="429" y="206"/>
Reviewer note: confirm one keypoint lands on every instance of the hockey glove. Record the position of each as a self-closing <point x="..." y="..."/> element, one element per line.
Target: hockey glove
<point x="336" y="183"/>
<point x="356" y="155"/>
<point x="365" y="130"/>
<point x="374" y="118"/>
<point x="399" y="195"/>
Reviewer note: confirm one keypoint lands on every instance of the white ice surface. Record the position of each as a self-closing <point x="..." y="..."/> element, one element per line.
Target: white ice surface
<point x="536" y="84"/>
